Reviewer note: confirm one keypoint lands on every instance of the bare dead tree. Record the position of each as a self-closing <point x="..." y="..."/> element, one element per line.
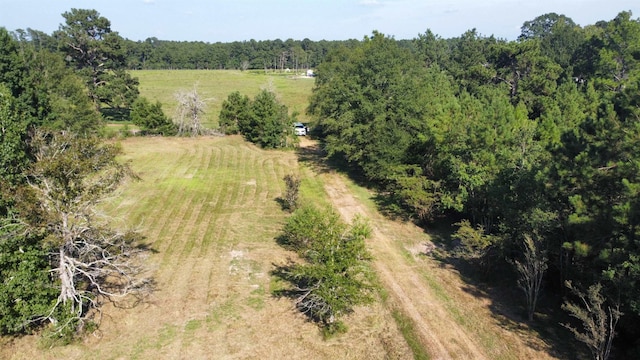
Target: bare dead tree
<point x="598" y="321"/>
<point x="530" y="273"/>
<point x="190" y="107"/>
<point x="70" y="177"/>
<point x="313" y="305"/>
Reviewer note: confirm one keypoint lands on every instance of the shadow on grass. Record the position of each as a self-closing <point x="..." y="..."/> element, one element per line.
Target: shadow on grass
<point x="498" y="286"/>
<point x="283" y="273"/>
<point x="312" y="154"/>
<point x="285" y="205"/>
<point x="115" y="114"/>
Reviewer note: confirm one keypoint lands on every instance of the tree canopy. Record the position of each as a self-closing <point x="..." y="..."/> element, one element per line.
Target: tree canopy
<point x="98" y="55"/>
<point x="535" y="138"/>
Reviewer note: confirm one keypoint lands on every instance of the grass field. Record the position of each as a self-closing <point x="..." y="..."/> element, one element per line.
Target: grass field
<point x="209" y="209"/>
<point x="215" y="85"/>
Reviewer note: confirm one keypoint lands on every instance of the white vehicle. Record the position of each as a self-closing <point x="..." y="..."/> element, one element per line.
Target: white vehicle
<point x="300" y="129"/>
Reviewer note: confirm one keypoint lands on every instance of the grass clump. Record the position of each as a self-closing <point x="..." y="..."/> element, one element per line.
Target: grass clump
<point x="410" y="335"/>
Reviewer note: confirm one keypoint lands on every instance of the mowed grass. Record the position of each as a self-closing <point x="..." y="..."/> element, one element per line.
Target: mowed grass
<point x="208" y="209"/>
<point x="214" y="86"/>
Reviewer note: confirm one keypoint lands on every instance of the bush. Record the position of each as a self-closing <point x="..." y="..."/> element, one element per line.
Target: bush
<point x="27" y="293"/>
<point x="290" y="200"/>
<point x="308" y="227"/>
<point x="268" y="124"/>
<point x="151" y="119"/>
<point x="234" y="113"/>
<point x="335" y="277"/>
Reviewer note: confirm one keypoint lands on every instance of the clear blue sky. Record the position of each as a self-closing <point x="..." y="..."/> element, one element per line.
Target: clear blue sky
<point x="231" y="20"/>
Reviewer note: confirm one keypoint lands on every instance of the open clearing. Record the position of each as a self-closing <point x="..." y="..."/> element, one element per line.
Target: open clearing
<point x="214" y="86"/>
<point x="208" y="208"/>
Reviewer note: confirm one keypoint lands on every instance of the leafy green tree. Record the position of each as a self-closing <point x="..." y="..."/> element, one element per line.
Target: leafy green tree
<point x="474" y="243"/>
<point x="27" y="292"/>
<point x="12" y="68"/>
<point x="433" y="48"/>
<point x="14" y="157"/>
<point x="559" y="37"/>
<point x="335" y="277"/>
<point x="59" y="96"/>
<point x="36" y="90"/>
<point x="594" y="181"/>
<point x="151" y="119"/>
<point x="269" y="125"/>
<point x="530" y="75"/>
<point x="619" y="62"/>
<point x="234" y="114"/>
<point x="469" y="60"/>
<point x="98" y="55"/>
<point x="47" y="93"/>
<point x="369" y="102"/>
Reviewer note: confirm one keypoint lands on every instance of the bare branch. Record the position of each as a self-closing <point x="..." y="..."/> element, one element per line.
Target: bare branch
<point x="92" y="261"/>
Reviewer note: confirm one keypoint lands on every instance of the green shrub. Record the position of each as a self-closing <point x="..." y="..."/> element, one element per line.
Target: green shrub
<point x="27" y="293"/>
<point x="151" y="119"/>
<point x="335" y="276"/>
<point x="234" y="112"/>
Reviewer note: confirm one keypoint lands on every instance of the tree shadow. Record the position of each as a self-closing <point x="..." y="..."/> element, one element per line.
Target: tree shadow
<point x="284" y="204"/>
<point x="497" y="286"/>
<point x="313" y="155"/>
<point x="390" y="206"/>
<point x="115" y="114"/>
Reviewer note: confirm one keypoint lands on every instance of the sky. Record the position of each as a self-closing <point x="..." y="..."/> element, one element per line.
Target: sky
<point x="239" y="20"/>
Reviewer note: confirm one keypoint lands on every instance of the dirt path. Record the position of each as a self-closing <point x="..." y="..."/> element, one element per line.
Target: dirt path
<point x="440" y="332"/>
<point x="405" y="285"/>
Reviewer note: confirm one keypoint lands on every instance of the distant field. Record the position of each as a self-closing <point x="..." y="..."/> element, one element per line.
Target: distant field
<point x="215" y="85"/>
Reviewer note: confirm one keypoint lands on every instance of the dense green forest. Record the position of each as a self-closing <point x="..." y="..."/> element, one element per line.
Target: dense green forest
<point x="529" y="147"/>
<point x="154" y="53"/>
